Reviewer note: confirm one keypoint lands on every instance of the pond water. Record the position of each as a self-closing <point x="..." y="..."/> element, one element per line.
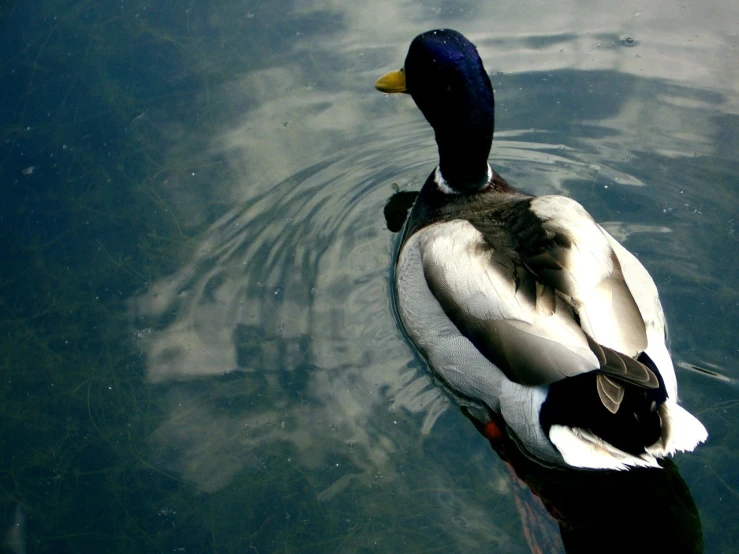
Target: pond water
<point x="198" y="350"/>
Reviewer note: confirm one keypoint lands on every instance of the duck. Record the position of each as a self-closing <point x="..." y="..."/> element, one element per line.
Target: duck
<point x="524" y="308"/>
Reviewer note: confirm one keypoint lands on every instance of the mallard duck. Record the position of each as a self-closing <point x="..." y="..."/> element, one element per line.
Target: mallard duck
<point x="523" y="306"/>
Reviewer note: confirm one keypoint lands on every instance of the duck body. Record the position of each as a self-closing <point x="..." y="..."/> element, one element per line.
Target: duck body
<point x="524" y="306"/>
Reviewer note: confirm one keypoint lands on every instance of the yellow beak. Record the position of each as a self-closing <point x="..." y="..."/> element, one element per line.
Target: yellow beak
<point x="392" y="82"/>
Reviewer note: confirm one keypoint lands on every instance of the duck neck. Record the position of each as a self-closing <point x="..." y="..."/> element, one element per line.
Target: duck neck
<point x="444" y="186"/>
<point x="463" y="160"/>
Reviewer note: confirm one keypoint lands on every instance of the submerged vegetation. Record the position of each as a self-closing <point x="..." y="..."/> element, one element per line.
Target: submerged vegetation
<point x="103" y="94"/>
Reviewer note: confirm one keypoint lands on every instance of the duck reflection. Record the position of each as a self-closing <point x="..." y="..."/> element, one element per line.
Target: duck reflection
<point x="640" y="510"/>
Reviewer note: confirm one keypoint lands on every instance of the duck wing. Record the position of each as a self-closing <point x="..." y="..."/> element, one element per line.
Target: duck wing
<point x="567" y="250"/>
<point x="545" y="311"/>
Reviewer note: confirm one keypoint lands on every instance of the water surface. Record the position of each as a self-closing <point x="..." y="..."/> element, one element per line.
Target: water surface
<point x="198" y="346"/>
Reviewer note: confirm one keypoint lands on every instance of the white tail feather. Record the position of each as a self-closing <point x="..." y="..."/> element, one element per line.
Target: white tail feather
<point x="682" y="432"/>
<point x="580" y="448"/>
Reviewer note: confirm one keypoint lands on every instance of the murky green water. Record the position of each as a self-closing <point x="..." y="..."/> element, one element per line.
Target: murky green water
<point x="197" y="346"/>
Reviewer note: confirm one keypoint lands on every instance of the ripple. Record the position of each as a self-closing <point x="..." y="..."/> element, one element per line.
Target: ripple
<point x="276" y="340"/>
<point x="290" y="290"/>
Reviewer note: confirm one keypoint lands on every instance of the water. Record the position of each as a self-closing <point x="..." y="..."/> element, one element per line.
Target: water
<point x="198" y="345"/>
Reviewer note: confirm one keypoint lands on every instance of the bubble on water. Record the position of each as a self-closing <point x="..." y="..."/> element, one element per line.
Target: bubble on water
<point x="626" y="40"/>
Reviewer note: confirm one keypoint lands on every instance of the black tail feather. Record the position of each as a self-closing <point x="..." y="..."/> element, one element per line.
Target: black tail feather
<point x="576" y="402"/>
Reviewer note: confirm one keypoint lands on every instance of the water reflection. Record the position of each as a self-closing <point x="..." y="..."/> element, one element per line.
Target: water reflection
<point x="275" y="382"/>
<point x="277" y="338"/>
<point x="289" y="287"/>
<point x="641" y="510"/>
<point x="285" y="303"/>
<point x="292" y="282"/>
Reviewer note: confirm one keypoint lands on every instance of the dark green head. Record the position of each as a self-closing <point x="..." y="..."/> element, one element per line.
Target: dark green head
<point x="446" y="78"/>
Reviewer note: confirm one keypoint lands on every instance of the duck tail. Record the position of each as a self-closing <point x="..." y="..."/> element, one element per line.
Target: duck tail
<point x="581" y="448"/>
<point x="645" y="424"/>
<point x="681" y="431"/>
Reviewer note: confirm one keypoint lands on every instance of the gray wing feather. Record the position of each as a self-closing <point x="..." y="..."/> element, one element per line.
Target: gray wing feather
<point x="520" y="325"/>
<point x="611" y="393"/>
<point x="578" y="261"/>
<point x="557" y="312"/>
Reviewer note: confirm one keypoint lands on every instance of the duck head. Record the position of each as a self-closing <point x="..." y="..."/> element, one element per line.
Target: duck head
<point x="446" y="78"/>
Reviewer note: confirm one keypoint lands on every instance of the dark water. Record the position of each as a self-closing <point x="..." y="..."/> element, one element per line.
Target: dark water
<point x="197" y="346"/>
